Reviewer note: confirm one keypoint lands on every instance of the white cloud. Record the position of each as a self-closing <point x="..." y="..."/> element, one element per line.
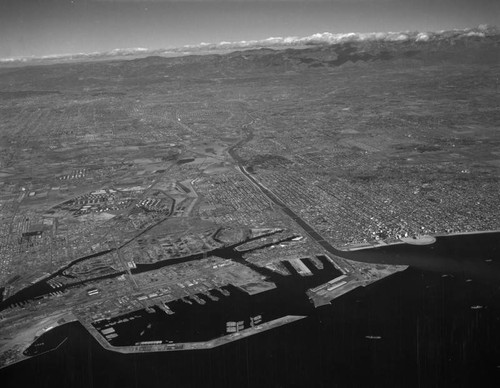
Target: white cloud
<point x="272" y="42"/>
<point x="422" y="37"/>
<point x="329" y="38"/>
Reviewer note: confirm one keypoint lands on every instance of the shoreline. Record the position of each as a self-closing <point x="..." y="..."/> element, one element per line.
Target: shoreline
<point x="466" y="233"/>
<point x="350" y="248"/>
<point x="52" y="321"/>
<point x="28" y="336"/>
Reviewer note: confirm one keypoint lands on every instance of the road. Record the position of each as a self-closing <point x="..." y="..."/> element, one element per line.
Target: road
<point x="290" y="213"/>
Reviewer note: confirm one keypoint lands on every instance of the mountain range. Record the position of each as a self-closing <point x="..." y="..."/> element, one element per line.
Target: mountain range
<point x="481" y="32"/>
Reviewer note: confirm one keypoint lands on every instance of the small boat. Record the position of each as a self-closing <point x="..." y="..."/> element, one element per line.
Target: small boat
<point x="373" y="337"/>
<point x="476" y="307"/>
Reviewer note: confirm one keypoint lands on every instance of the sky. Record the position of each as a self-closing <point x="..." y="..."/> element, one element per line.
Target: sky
<point x="49" y="27"/>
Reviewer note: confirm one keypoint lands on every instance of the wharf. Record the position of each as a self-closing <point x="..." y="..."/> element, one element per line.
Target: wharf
<point x="300" y="267"/>
<point x="325" y="293"/>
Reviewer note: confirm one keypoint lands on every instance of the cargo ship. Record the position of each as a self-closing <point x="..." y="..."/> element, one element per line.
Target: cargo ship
<point x="231" y="327"/>
<point x="210" y="296"/>
<point x="373" y="337"/>
<point x="198" y="299"/>
<point x="223" y="291"/>
<point x="255" y="320"/>
<point x="163" y="306"/>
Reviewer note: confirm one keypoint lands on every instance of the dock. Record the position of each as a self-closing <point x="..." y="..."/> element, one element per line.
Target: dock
<point x="299" y="266"/>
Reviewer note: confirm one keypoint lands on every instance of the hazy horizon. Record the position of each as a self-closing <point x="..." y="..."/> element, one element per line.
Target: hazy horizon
<point x="53" y="27"/>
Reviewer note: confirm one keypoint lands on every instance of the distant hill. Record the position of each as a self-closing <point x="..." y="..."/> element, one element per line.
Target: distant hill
<point x="454" y="47"/>
<point x="368" y="40"/>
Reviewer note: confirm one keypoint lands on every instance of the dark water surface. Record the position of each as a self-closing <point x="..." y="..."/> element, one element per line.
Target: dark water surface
<point x="194" y="322"/>
<point x="439" y="323"/>
<point x="42" y="287"/>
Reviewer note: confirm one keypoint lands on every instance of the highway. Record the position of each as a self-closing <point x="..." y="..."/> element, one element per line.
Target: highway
<point x="346" y="266"/>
